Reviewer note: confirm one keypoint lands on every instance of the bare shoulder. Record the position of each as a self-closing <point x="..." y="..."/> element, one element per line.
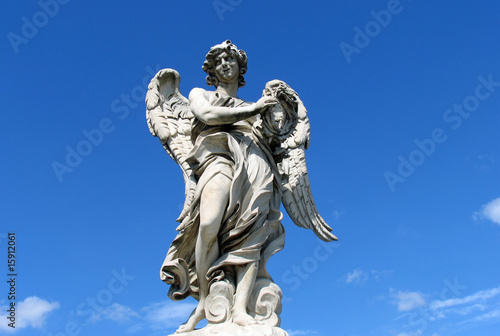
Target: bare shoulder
<point x="197" y="94"/>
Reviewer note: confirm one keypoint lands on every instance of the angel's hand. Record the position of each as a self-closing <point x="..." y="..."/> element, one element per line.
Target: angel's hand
<point x="264" y="103"/>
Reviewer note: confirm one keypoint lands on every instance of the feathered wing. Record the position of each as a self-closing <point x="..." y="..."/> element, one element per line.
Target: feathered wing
<point x="170" y="119"/>
<point x="290" y="155"/>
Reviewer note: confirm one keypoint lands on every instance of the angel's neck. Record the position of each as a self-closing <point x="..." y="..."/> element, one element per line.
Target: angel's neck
<point x="228" y="89"/>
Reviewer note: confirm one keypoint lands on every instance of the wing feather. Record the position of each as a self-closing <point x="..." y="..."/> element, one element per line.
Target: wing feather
<point x="170" y="119"/>
<point x="298" y="199"/>
<point x="288" y="141"/>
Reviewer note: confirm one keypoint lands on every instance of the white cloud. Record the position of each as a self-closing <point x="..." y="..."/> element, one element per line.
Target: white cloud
<point x="155" y="317"/>
<point x="488" y="316"/>
<point x="359" y="276"/>
<point x="408" y="300"/>
<point x="493" y="314"/>
<point x="484" y="162"/>
<point x="167" y="313"/>
<point x="416" y="333"/>
<point x="32" y="312"/>
<point x="480" y="306"/>
<point x="380" y="275"/>
<point x="162" y="315"/>
<point x="463" y="311"/>
<point x="336" y="214"/>
<point x="115" y="312"/>
<point x="481" y="295"/>
<point x="490" y="211"/>
<point x="356" y="275"/>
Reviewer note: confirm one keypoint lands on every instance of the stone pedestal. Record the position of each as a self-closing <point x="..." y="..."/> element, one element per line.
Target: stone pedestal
<point x="264" y="306"/>
<point x="231" y="329"/>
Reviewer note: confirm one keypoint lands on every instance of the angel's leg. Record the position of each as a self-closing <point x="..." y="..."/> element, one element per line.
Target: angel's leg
<point x="213" y="203"/>
<point x="246" y="275"/>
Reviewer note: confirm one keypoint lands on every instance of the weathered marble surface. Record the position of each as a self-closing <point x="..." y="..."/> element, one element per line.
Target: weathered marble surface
<point x="232" y="329"/>
<point x="240" y="161"/>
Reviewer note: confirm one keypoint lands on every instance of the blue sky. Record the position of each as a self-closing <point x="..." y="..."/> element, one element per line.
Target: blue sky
<point x="403" y="99"/>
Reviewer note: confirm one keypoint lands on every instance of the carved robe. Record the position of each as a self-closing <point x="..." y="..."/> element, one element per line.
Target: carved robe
<point x="251" y="229"/>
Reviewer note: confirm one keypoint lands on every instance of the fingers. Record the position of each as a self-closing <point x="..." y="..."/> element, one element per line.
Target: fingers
<point x="267" y="99"/>
<point x="271" y="101"/>
<point x="265" y="103"/>
<point x="268" y="102"/>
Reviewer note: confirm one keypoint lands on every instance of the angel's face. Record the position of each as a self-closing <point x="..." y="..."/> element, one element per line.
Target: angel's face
<point x="226" y="67"/>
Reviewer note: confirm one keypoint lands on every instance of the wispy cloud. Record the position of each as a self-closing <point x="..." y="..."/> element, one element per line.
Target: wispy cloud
<point x="462" y="311"/>
<point x="115" y="312"/>
<point x="478" y="307"/>
<point x="490" y="211"/>
<point x="484" y="162"/>
<point x="167" y="314"/>
<point x="488" y="316"/>
<point x="360" y="277"/>
<point x="416" y="333"/>
<point x="356" y="275"/>
<point x="408" y="300"/>
<point x="337" y="213"/>
<point x="161" y="315"/>
<point x="153" y="318"/>
<point x="31" y="313"/>
<point x="478" y="296"/>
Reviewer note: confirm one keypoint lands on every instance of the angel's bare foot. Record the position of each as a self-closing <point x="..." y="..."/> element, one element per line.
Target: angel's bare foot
<point x="196" y="316"/>
<point x="243" y="319"/>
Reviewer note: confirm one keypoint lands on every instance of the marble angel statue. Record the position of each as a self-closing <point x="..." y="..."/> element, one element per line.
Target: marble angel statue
<point x="240" y="161"/>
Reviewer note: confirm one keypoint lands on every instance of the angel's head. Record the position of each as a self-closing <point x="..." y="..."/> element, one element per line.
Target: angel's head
<point x="227" y="52"/>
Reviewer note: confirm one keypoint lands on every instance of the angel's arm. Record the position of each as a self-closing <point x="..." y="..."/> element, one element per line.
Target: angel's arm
<point x="218" y="115"/>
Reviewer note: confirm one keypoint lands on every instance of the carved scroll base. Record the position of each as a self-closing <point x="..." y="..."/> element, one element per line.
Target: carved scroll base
<point x="264" y="305"/>
<point x="231" y="329"/>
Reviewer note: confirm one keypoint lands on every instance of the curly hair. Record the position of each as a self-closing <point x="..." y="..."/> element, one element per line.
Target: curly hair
<point x="209" y="64"/>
